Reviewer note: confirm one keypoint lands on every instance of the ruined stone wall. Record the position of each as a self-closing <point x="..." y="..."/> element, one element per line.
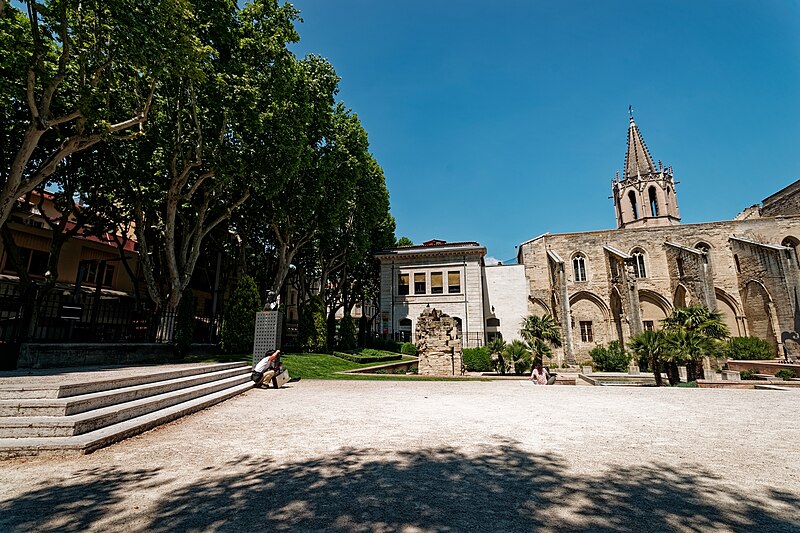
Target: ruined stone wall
<point x="438" y="344"/>
<point x="783" y="203"/>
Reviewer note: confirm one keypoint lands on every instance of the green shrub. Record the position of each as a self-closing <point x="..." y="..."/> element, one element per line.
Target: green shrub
<point x="240" y="317"/>
<point x="785" y="374"/>
<point x="312" y="330"/>
<point x="348" y="335"/>
<point x="748" y="348"/>
<point x="400" y="371"/>
<point x="408" y="348"/>
<point x="478" y="359"/>
<point x="613" y="358"/>
<point x="368" y="356"/>
<point x="749" y="374"/>
<point x="518" y="354"/>
<point x="413" y="369"/>
<point x="184" y="323"/>
<point x="384" y="344"/>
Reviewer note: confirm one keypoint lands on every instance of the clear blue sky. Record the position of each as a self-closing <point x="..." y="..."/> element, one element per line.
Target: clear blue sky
<point x="497" y="122"/>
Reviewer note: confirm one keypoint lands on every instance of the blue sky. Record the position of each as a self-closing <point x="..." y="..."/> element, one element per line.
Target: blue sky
<point x="497" y="122"/>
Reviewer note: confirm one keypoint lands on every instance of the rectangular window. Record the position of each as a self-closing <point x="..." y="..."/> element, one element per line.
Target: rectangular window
<point x="586" y="331"/>
<point x="437" y="283"/>
<point x="34" y="261"/>
<point x="419" y="283"/>
<point x="454" y="282"/>
<point x="402" y="284"/>
<point x="648" y="325"/>
<point x="91" y="271"/>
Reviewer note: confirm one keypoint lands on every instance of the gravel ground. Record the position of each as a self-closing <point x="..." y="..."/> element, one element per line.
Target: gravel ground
<point x="435" y="456"/>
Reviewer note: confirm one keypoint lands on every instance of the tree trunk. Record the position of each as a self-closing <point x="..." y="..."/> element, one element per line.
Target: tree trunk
<point x="672" y="373"/>
<point x="657" y="372"/>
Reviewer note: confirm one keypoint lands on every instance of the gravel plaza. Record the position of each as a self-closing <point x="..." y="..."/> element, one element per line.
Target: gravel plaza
<point x="434" y="456"/>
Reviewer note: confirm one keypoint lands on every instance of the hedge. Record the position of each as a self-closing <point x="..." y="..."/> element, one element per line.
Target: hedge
<point x="408" y="348"/>
<point x="368" y="356"/>
<point x="478" y="360"/>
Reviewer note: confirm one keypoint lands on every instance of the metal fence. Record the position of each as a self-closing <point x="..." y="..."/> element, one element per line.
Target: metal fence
<point x="60" y="315"/>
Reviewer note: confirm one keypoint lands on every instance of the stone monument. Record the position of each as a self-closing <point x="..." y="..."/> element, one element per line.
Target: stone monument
<point x="267" y="336"/>
<point x="439" y="344"/>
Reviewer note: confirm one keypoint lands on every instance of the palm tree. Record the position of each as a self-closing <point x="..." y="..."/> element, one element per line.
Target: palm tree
<point x="687" y="347"/>
<point x="539" y="350"/>
<point x="518" y="355"/>
<point x="650" y="346"/>
<point x="496" y="347"/>
<point x="702" y="322"/>
<point x="540" y="333"/>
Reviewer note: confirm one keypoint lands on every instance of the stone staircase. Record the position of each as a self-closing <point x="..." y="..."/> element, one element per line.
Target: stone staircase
<point x="53" y="419"/>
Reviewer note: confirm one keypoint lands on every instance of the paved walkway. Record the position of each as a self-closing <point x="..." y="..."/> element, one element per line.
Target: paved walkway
<point x="435" y="456"/>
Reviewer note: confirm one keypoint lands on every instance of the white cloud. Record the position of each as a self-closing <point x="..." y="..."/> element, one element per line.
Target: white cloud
<point x="490" y="261"/>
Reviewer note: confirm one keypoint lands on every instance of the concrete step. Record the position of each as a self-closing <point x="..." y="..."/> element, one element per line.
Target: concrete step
<point x="99" y="438"/>
<point x="77" y="424"/>
<point x="32" y="390"/>
<point x="86" y="402"/>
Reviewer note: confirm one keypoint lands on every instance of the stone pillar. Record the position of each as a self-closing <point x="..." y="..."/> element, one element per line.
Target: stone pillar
<point x="438" y="344"/>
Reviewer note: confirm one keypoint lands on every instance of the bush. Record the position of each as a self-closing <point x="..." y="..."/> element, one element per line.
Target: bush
<point x="312" y="331"/>
<point x="184" y="323"/>
<point x="785" y="374"/>
<point x="478" y="360"/>
<point x="384" y="344"/>
<point x="748" y="348"/>
<point x="368" y="356"/>
<point x="240" y="318"/>
<point x="613" y="358"/>
<point x="408" y="348"/>
<point x="348" y="336"/>
<point x="749" y="374"/>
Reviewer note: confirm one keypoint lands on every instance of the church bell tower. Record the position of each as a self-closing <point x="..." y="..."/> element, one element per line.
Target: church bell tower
<point x="645" y="196"/>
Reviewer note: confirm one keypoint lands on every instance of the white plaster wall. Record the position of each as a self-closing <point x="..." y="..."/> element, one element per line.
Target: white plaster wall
<point x="507" y="291"/>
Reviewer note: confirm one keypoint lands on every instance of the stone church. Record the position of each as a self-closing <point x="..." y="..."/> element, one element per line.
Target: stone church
<point x="612" y="284"/>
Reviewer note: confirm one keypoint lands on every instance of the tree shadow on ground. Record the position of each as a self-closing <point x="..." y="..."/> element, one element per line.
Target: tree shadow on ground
<point x="504" y="488"/>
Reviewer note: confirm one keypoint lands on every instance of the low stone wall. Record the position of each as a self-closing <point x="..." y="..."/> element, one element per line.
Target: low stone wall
<point x="764" y="366"/>
<point x="38" y="355"/>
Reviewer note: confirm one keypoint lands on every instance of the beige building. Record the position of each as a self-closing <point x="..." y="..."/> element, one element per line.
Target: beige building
<point x="612" y="284"/>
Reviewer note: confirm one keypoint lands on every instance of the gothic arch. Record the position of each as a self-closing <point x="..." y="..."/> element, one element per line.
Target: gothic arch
<point x="681" y="298"/>
<point x="759" y="311"/>
<point x="589" y="313"/>
<point x="538" y="307"/>
<point x="592" y="297"/>
<point x="731" y="311"/>
<point x="654" y="308"/>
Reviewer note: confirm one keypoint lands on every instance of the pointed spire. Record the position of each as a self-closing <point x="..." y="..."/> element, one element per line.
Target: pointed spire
<point x="637" y="161"/>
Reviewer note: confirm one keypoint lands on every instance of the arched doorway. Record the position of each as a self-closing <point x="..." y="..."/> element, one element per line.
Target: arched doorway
<point x="730" y="312"/>
<point x="759" y="312"/>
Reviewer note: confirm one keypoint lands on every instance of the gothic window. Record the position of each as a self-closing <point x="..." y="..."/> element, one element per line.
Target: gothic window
<point x="437" y="286"/>
<point x="419" y="283"/>
<point x="680" y="266"/>
<point x="653" y="201"/>
<point x="791" y="242"/>
<point x="638" y="264"/>
<point x="704" y="247"/>
<point x="402" y="284"/>
<point x="634" y="208"/>
<point x="736" y="261"/>
<point x="579" y="267"/>
<point x="587" y="335"/>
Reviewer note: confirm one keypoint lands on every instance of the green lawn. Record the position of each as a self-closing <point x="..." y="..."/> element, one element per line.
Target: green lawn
<point x="323" y="366"/>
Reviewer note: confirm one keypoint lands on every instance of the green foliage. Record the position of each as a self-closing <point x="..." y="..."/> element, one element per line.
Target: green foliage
<point x="697" y="318"/>
<point x="404" y="241"/>
<point x="649" y="347"/>
<point x="408" y="348"/>
<point x="385" y="344"/>
<point x="749" y="374"/>
<point x="368" y="356"/>
<point x="184" y="323"/>
<point x="539" y="350"/>
<point x="240" y="317"/>
<point x="611" y="358"/>
<point x="518" y="355"/>
<point x="348" y="336"/>
<point x="478" y="359"/>
<point x="748" y="348"/>
<point x="542" y="327"/>
<point x="496" y="348"/>
<point x="312" y="329"/>
<point x="785" y="374"/>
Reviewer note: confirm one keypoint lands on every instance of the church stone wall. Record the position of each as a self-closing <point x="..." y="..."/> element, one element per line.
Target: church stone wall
<point x="661" y="268"/>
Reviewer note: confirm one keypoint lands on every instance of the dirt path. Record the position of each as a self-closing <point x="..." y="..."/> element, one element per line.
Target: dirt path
<point x="435" y="456"/>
